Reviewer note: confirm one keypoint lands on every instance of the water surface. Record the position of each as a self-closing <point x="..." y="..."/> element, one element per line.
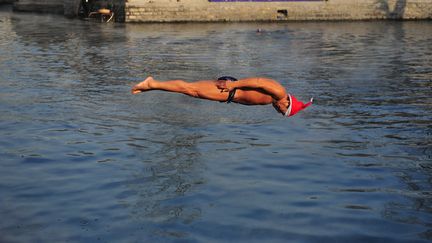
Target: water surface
<point x="82" y="160"/>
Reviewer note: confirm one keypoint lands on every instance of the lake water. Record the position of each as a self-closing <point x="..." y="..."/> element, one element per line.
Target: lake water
<point x="82" y="160"/>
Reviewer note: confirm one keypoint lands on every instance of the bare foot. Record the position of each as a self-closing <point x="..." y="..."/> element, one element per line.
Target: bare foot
<point x="143" y="86"/>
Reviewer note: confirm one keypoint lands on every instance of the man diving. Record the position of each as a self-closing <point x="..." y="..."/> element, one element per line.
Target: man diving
<point x="247" y="91"/>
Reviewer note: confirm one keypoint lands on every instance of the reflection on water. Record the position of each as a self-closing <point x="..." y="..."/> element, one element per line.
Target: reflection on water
<point x="84" y="161"/>
<point x="174" y="173"/>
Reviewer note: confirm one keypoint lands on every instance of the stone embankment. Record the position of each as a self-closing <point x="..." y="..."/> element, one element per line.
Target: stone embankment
<point x="41" y="6"/>
<point x="261" y="10"/>
<point x="240" y="10"/>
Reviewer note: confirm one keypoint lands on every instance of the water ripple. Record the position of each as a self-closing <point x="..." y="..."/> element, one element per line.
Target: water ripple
<point x="83" y="158"/>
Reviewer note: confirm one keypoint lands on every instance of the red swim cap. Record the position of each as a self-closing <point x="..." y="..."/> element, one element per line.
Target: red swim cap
<point x="295" y="105"/>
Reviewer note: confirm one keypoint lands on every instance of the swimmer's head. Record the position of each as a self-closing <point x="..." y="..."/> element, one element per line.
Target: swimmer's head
<point x="295" y="106"/>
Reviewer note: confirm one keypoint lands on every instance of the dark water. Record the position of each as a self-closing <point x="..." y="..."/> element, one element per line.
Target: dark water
<point x="82" y="160"/>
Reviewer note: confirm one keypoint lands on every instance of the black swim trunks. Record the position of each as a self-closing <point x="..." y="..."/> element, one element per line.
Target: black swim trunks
<point x="232" y="92"/>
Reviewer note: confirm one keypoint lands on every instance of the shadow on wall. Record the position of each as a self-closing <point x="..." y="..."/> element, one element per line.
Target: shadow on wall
<point x="397" y="12"/>
<point x="82" y="8"/>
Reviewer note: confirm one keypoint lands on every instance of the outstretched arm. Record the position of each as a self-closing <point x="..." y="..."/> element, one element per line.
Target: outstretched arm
<point x="265" y="85"/>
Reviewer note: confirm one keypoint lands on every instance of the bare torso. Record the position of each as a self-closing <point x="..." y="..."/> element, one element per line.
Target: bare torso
<point x="207" y="89"/>
<point x="252" y="97"/>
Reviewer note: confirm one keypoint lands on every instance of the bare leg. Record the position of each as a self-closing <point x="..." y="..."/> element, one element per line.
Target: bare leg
<point x="205" y="89"/>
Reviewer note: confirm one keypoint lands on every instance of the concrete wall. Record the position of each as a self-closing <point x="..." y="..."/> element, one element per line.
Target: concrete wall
<point x="69" y="8"/>
<point x="203" y="10"/>
<point x="42" y="6"/>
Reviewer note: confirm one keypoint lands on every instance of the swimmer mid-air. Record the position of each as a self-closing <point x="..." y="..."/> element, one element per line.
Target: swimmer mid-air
<point x="248" y="91"/>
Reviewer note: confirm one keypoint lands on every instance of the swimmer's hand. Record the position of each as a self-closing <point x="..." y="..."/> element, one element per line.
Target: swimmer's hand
<point x="224" y="85"/>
